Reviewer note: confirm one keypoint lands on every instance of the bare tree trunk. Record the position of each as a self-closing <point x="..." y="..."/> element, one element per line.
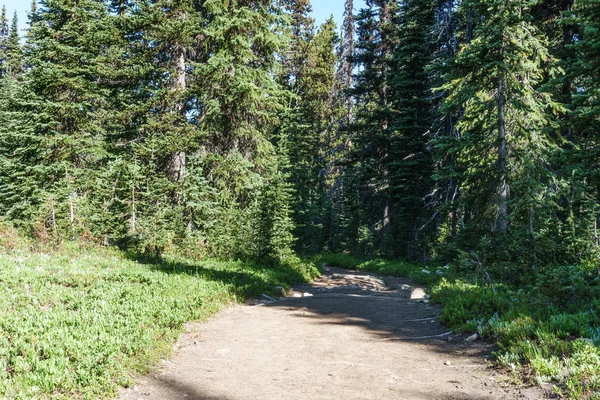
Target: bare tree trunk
<point x="133" y="220"/>
<point x="346" y="55"/>
<point x="72" y="216"/>
<point x="177" y="160"/>
<point x="387" y="218"/>
<point x="503" y="189"/>
<point x="53" y="218"/>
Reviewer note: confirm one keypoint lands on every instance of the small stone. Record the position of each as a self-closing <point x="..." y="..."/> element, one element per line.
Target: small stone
<point x="472" y="338"/>
<point x="450" y="339"/>
<point x="426" y="301"/>
<point x="426" y="271"/>
<point x="267" y="298"/>
<point x="417" y="293"/>
<point x="307" y="295"/>
<point x="447" y="363"/>
<point x="297" y="295"/>
<point x="280" y="290"/>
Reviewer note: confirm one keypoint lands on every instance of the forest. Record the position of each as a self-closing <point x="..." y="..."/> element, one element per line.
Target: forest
<point x="454" y="135"/>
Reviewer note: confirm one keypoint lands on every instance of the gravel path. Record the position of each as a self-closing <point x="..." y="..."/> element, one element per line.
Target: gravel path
<point x="351" y="336"/>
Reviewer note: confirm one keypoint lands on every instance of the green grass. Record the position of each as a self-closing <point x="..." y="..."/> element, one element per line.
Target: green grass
<point x="547" y="333"/>
<point x="82" y="325"/>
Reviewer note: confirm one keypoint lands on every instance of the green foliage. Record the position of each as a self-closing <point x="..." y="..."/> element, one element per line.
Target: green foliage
<point x="80" y="323"/>
<point x="542" y="327"/>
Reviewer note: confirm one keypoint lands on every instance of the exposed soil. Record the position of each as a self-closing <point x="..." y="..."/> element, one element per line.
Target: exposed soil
<point x="353" y="336"/>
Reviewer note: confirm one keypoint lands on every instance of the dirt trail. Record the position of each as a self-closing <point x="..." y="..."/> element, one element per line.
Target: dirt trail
<point x="354" y="336"/>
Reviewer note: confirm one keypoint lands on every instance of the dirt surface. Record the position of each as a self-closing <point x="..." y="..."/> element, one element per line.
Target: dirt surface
<point x="348" y="335"/>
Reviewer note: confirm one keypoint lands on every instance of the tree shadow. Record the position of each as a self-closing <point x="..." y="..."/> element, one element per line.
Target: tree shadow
<point x="246" y="279"/>
<point x="391" y="317"/>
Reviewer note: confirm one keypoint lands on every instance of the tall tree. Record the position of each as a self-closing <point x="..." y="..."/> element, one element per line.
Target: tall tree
<point x="14" y="56"/>
<point x="497" y="87"/>
<point x="4" y="32"/>
<point x="411" y="121"/>
<point x="371" y="131"/>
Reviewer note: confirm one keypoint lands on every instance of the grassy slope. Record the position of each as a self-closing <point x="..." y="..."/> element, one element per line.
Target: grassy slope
<point x="545" y="333"/>
<point x="80" y="325"/>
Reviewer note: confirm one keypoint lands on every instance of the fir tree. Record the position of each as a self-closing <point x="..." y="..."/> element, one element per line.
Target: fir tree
<point x="4" y="32"/>
<point x="65" y="42"/>
<point x="411" y="122"/>
<point x="371" y="130"/>
<point x="498" y="75"/>
<point x="14" y="56"/>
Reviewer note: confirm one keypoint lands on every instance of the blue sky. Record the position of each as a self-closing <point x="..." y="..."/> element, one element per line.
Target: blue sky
<point x="20" y="6"/>
<point x="322" y="9"/>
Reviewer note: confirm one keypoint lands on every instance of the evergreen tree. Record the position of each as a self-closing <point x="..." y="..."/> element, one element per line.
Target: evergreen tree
<point x="14" y="56"/>
<point x="314" y="139"/>
<point x="65" y="42"/>
<point x="4" y="32"/>
<point x="372" y="127"/>
<point x="412" y="118"/>
<point x="504" y="144"/>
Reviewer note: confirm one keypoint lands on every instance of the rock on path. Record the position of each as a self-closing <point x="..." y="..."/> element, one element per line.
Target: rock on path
<point x="357" y="337"/>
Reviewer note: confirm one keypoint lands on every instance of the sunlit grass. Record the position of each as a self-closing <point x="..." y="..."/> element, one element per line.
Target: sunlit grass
<point x="81" y="325"/>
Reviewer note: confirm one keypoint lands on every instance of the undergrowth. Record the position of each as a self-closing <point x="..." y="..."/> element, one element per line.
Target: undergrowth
<point x="80" y="323"/>
<point x="547" y="332"/>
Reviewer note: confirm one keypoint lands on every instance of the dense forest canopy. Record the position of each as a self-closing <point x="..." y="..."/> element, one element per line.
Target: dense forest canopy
<point x="419" y="129"/>
<point x="233" y="146"/>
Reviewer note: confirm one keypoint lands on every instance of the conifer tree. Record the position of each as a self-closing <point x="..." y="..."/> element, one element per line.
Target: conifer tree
<point x="313" y="140"/>
<point x="496" y="84"/>
<point x="583" y="82"/>
<point x="411" y="121"/>
<point x="371" y="130"/>
<point x="14" y="56"/>
<point x="346" y="53"/>
<point x="63" y="52"/>
<point x="4" y="32"/>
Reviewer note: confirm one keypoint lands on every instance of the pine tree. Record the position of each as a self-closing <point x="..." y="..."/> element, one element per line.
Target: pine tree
<point x="14" y="56"/>
<point x="371" y="130"/>
<point x="411" y="122"/>
<point x="583" y="84"/>
<point x="497" y="76"/>
<point x="22" y="166"/>
<point x="300" y="33"/>
<point x="313" y="138"/>
<point x="346" y="54"/>
<point x="63" y="52"/>
<point x="4" y="32"/>
<point x="445" y="195"/>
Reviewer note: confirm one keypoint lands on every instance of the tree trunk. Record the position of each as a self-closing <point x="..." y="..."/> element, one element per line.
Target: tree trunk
<point x="503" y="189"/>
<point x="133" y="220"/>
<point x="346" y="58"/>
<point x="387" y="218"/>
<point x="177" y="160"/>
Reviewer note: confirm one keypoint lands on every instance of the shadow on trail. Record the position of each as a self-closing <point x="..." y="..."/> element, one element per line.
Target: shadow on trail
<point x="310" y="348"/>
<point x="246" y="279"/>
<point x="179" y="390"/>
<point x="338" y="299"/>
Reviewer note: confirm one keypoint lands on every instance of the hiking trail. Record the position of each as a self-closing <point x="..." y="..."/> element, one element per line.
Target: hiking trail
<point x="347" y="335"/>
